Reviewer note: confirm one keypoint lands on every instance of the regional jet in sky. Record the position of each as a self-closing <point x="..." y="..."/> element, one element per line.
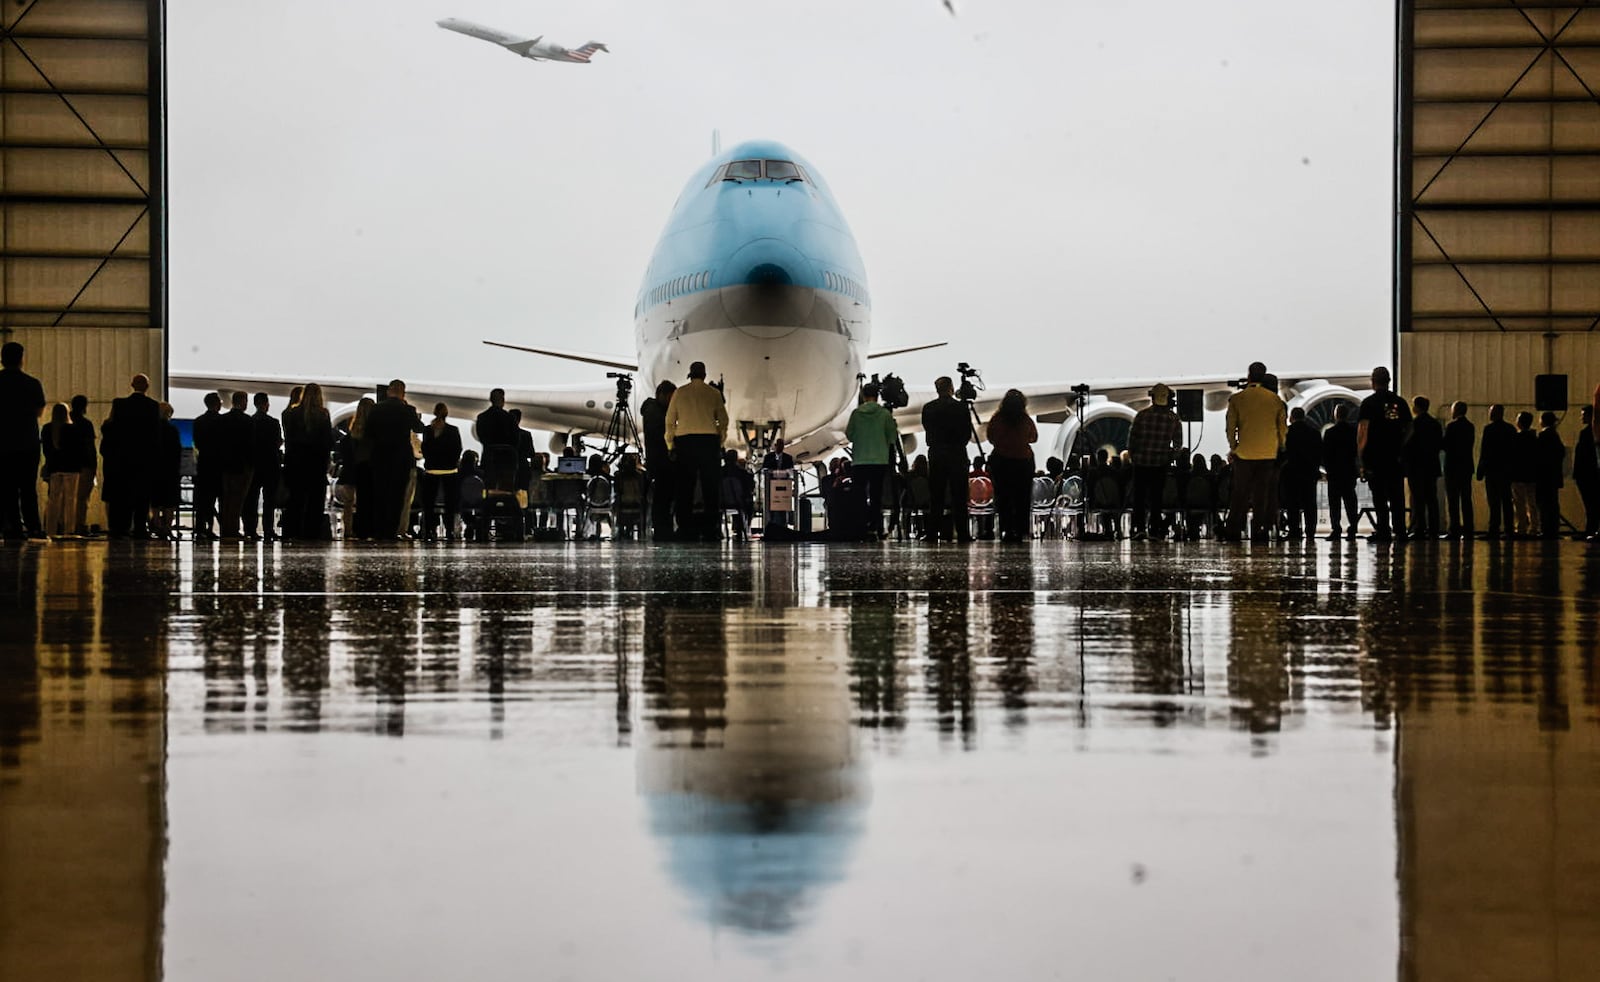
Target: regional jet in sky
<point x="757" y="275"/>
<point x="536" y="48"/>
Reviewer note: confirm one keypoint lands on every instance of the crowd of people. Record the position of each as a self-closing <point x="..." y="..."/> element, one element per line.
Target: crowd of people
<point x="394" y="475"/>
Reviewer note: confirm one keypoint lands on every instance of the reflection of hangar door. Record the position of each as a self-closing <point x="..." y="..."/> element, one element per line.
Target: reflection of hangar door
<point x="747" y="759"/>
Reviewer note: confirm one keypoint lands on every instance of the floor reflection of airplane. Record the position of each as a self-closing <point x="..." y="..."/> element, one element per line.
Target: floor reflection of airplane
<point x="758" y="276"/>
<point x="537" y="48"/>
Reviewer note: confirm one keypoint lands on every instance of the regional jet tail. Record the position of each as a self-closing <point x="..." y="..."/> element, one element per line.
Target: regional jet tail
<point x="535" y="48"/>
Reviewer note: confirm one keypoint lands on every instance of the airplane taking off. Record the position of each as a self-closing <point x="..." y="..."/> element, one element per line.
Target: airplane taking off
<point x="758" y="276"/>
<point x="535" y="48"/>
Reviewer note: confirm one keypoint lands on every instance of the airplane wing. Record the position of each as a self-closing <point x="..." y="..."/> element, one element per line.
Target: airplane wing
<point x="590" y="359"/>
<point x="563" y="408"/>
<point x="902" y="351"/>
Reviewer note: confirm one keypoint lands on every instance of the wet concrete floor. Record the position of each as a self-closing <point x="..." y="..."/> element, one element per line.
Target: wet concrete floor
<point x="1136" y="761"/>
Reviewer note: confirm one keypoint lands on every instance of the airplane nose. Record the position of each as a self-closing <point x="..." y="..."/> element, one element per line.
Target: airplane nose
<point x="766" y="296"/>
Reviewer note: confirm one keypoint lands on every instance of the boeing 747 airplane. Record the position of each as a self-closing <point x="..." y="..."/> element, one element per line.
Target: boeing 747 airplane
<point x="757" y="275"/>
<point x="537" y="48"/>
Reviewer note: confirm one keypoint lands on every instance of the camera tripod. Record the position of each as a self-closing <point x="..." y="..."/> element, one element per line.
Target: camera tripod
<point x="623" y="430"/>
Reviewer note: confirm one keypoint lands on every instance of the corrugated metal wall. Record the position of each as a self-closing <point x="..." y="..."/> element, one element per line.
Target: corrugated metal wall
<point x="1497" y="273"/>
<point x="82" y="229"/>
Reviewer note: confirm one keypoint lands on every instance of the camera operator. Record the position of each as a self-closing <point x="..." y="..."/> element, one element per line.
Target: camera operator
<point x="874" y="440"/>
<point x="948" y="428"/>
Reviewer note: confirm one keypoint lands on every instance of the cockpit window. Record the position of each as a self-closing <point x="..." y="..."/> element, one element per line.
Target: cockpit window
<point x="782" y="170"/>
<point x="744" y="170"/>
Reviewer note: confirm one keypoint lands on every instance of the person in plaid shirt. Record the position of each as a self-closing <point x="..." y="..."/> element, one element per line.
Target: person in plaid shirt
<point x="1153" y="442"/>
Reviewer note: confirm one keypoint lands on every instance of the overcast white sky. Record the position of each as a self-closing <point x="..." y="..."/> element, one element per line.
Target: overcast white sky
<point x="1061" y="190"/>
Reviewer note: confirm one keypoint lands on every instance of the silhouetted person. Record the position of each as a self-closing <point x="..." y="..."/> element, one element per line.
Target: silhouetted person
<point x="441" y="474"/>
<point x="1012" y="434"/>
<point x="307" y="443"/>
<point x="522" y="440"/>
<point x="62" y="450"/>
<point x="208" y="438"/>
<point x="131" y="452"/>
<point x="238" y="463"/>
<point x="261" y="500"/>
<point x="1153" y="440"/>
<point x="166" y="477"/>
<point x="1342" y="466"/>
<point x="494" y="426"/>
<point x="1302" y="465"/>
<point x="1421" y="457"/>
<point x="1460" y="438"/>
<point x="89" y="455"/>
<point x="1496" y="463"/>
<point x="390" y="426"/>
<point x="21" y="405"/>
<point x="1380" y="438"/>
<point x="738" y="493"/>
<point x="658" y="459"/>
<point x="1552" y="461"/>
<point x="1256" y="426"/>
<point x="1586" y="472"/>
<point x="697" y="423"/>
<point x="947" y="426"/>
<point x="777" y="459"/>
<point x="1525" y="476"/>
<point x="874" y="440"/>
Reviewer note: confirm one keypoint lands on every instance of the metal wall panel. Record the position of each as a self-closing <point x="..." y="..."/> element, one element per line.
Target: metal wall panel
<point x="82" y="226"/>
<point x="1497" y="169"/>
<point x="1480" y="368"/>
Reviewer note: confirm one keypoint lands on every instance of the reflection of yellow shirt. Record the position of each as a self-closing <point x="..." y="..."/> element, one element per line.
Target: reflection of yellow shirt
<point x="1257" y="423"/>
<point x="696" y="410"/>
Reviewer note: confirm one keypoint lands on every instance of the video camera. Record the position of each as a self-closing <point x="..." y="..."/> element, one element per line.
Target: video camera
<point x="891" y="391"/>
<point x="971" y="382"/>
<point x="624" y="384"/>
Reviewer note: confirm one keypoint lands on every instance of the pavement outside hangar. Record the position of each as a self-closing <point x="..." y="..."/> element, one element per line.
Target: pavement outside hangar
<point x="1109" y="761"/>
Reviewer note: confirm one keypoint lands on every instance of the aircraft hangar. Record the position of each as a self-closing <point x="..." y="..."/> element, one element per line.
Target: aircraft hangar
<point x="82" y="185"/>
<point x="1497" y="253"/>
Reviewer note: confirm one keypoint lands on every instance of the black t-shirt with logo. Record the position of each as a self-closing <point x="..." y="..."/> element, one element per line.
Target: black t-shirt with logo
<point x="1388" y="418"/>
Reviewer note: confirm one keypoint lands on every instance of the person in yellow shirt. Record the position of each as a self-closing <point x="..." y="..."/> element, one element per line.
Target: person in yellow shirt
<point x="1257" y="424"/>
<point x="697" y="423"/>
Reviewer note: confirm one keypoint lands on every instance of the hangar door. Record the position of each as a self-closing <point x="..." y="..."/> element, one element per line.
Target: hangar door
<point x="81" y="186"/>
<point x="1498" y="218"/>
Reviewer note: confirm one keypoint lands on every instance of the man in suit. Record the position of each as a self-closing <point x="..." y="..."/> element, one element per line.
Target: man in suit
<point x="1342" y="466"/>
<point x="261" y="502"/>
<point x="394" y="460"/>
<point x="21" y="405"/>
<point x="1496" y="458"/>
<point x="947" y="425"/>
<point x="238" y="464"/>
<point x="209" y="440"/>
<point x="1552" y="462"/>
<point x="1302" y="465"/>
<point x="1459" y="438"/>
<point x="494" y="425"/>
<point x="1421" y="455"/>
<point x="137" y="446"/>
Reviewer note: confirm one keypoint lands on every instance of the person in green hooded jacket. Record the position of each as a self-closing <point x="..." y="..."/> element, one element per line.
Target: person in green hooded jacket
<point x="874" y="439"/>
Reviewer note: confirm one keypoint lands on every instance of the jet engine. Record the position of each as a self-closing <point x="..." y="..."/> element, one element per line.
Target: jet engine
<point x="1319" y="398"/>
<point x="1104" y="426"/>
